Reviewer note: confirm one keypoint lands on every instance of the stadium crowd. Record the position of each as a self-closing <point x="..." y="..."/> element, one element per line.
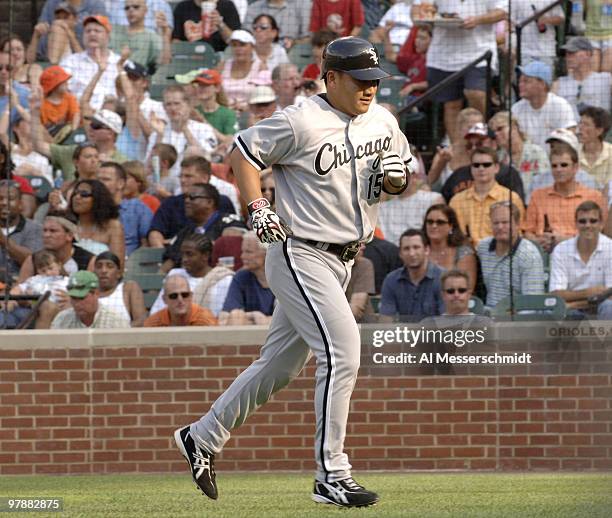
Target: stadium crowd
<point x="106" y="161"/>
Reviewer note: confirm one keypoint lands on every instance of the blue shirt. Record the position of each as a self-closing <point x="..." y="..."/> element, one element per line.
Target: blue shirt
<point x="23" y="93"/>
<point x="247" y="294"/>
<point x="136" y="218"/>
<point x="117" y="15"/>
<point x="399" y="296"/>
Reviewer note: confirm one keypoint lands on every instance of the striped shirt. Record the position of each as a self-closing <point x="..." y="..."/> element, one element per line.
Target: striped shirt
<point x="527" y="270"/>
<point x="105" y="319"/>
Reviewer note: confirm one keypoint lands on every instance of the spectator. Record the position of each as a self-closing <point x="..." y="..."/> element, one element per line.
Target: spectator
<point x="475" y="36"/>
<point x="59" y="107"/>
<point x="540" y="111"/>
<point x="580" y="266"/>
<point x="292" y="18"/>
<point x="267" y="48"/>
<point x="25" y="73"/>
<point x="456" y="293"/>
<point x="249" y="299"/>
<point x="134" y="215"/>
<point x="262" y="104"/>
<point x="188" y="26"/>
<point x="161" y="162"/>
<point x="84" y="65"/>
<point x="406" y="210"/>
<point x="59" y="232"/>
<point x="472" y="205"/>
<point x="448" y="246"/>
<point x="99" y="228"/>
<point x="344" y="17"/>
<point x="123" y="297"/>
<point x="28" y="202"/>
<point x="19" y="237"/>
<point x="595" y="154"/>
<point x="148" y="47"/>
<point x="286" y="84"/>
<point x="395" y="23"/>
<point x="582" y="87"/>
<point x="385" y="258"/>
<point x="181" y="130"/>
<point x="530" y="158"/>
<point x="203" y="217"/>
<point x="318" y="41"/>
<point x="599" y="32"/>
<point x="136" y="185"/>
<point x="526" y="273"/>
<point x="209" y="285"/>
<point x="268" y="188"/>
<point x="18" y="103"/>
<point x="480" y="135"/>
<point x="538" y="40"/>
<point x="549" y="215"/>
<point x="243" y="71"/>
<point x="86" y="311"/>
<point x="179" y="310"/>
<point x="361" y="286"/>
<point x="155" y="10"/>
<point x="171" y="217"/>
<point x="412" y="292"/>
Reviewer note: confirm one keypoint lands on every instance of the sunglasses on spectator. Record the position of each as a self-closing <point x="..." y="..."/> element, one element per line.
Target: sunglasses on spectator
<point x="182" y="294"/>
<point x="83" y="194"/>
<point x="584" y="221"/>
<point x="132" y="6"/>
<point x="561" y="164"/>
<point x="260" y="27"/>
<point x="438" y="222"/>
<point x="196" y="197"/>
<point x="452" y="291"/>
<point x="95" y="125"/>
<point x="8" y="68"/>
<point x="481" y="165"/>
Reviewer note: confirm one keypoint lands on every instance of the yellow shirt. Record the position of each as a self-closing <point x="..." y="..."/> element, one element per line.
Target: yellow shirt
<point x="601" y="170"/>
<point x="473" y="211"/>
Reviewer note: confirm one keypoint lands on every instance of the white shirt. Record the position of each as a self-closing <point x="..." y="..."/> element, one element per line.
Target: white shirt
<point x="37" y="161"/>
<point x="399" y="14"/>
<point x="452" y="48"/>
<point x="226" y="188"/>
<point x="83" y="68"/>
<point x="535" y="44"/>
<point x="538" y="124"/>
<point x="569" y="272"/>
<point x="149" y="106"/>
<point x="595" y="90"/>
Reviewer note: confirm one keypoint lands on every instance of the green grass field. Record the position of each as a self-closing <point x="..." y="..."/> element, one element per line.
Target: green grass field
<point x="462" y="495"/>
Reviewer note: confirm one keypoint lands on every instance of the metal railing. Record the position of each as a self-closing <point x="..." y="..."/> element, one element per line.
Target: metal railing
<point x="533" y="18"/>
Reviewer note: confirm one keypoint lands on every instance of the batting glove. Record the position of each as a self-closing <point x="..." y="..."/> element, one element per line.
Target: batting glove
<point x="394" y="169"/>
<point x="268" y="226"/>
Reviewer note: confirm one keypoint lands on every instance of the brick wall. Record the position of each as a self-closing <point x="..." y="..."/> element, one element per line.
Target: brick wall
<point x="89" y="406"/>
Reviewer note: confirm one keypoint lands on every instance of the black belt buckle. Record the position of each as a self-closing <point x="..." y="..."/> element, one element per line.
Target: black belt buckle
<point x="349" y="252"/>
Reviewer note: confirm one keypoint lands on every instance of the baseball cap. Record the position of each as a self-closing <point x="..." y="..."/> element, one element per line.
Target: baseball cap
<point x="480" y="129"/>
<point x="262" y="94"/>
<point x="52" y="77"/>
<point x="208" y="77"/>
<point x="189" y="77"/>
<point x="135" y="69"/>
<point x="243" y="36"/>
<point x="81" y="283"/>
<point x="66" y="7"/>
<point x="565" y="135"/>
<point x="577" y="43"/>
<point x="110" y="119"/>
<point x="99" y="19"/>
<point x="537" y="69"/>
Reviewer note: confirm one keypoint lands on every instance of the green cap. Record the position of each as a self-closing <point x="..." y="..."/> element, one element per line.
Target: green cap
<point x="189" y="77"/>
<point x="81" y="283"/>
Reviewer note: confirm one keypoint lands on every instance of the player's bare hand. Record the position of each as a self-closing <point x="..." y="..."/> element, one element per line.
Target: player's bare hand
<point x="267" y="225"/>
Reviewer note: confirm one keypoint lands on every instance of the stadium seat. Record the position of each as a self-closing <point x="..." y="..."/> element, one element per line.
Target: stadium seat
<point x="165" y="73"/>
<point x="42" y="187"/>
<point x="388" y="91"/>
<point x="375" y="302"/>
<point x="476" y="306"/>
<point x="201" y="54"/>
<point x="150" y="284"/>
<point x="531" y="308"/>
<point x="301" y="55"/>
<point x="143" y="260"/>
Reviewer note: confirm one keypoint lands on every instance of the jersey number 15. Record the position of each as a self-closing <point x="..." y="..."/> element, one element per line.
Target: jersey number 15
<point x="375" y="186"/>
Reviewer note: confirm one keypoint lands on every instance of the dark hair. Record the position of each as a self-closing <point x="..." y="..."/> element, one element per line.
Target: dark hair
<point x="10" y="38"/>
<point x="119" y="171"/>
<point x="273" y="23"/>
<point x="587" y="206"/>
<point x="454" y="273"/>
<point x="108" y="256"/>
<point x="202" y="243"/>
<point x="210" y="190"/>
<point x="199" y="162"/>
<point x="104" y="208"/>
<point x="322" y="37"/>
<point x="6" y="169"/>
<point x="81" y="147"/>
<point x="600" y="117"/>
<point x="456" y="237"/>
<point x="411" y="232"/>
<point x="44" y="258"/>
<point x="11" y="184"/>
<point x="483" y="150"/>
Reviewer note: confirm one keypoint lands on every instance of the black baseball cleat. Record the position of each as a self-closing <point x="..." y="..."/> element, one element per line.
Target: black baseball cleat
<point x="201" y="463"/>
<point x="343" y="493"/>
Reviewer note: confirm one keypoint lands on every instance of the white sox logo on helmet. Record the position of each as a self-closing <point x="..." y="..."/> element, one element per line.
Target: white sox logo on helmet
<point x="373" y="56"/>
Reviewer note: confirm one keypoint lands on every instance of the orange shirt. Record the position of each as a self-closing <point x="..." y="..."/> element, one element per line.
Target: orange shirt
<point x="150" y="201"/>
<point x="199" y="317"/>
<point x="61" y="113"/>
<point x="559" y="209"/>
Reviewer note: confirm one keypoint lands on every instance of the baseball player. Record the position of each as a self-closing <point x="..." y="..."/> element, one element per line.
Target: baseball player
<point x="332" y="156"/>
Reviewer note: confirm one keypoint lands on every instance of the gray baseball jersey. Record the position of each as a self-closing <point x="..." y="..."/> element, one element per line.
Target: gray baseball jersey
<point x="326" y="166"/>
<point x="328" y="185"/>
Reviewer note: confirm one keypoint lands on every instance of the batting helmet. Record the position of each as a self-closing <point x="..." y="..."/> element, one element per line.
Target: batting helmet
<point x="355" y="56"/>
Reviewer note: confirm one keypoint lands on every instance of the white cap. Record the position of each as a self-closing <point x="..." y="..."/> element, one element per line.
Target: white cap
<point x="567" y="136"/>
<point x="243" y="36"/>
<point x="262" y="94"/>
<point x="110" y="119"/>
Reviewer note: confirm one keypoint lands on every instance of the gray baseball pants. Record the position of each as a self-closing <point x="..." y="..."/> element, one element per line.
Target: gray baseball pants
<point x="312" y="314"/>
